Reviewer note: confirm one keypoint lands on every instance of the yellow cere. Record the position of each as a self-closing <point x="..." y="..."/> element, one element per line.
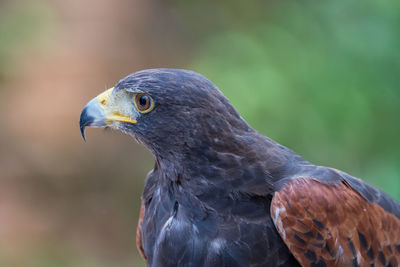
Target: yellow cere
<point x="116" y="116"/>
<point x="103" y="97"/>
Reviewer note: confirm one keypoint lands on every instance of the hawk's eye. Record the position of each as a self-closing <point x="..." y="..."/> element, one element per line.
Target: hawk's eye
<point x="143" y="103"/>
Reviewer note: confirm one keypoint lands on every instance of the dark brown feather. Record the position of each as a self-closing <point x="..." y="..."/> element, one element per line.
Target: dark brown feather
<point x="333" y="225"/>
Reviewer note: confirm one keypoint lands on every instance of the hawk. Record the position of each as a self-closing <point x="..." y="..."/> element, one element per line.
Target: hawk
<point x="222" y="194"/>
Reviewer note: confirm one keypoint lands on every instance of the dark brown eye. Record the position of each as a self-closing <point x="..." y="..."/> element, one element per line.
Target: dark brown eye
<point x="143" y="103"/>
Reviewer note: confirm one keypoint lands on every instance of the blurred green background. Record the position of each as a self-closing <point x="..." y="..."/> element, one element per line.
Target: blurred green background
<point x="322" y="78"/>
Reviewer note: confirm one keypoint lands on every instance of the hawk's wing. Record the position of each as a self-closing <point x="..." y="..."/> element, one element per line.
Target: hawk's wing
<point x="150" y="186"/>
<point x="139" y="244"/>
<point x="334" y="225"/>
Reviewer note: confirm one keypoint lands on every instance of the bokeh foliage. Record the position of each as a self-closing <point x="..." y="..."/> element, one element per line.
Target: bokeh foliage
<point x="20" y="25"/>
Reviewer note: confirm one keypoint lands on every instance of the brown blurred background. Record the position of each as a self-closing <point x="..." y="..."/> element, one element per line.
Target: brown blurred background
<point x="321" y="79"/>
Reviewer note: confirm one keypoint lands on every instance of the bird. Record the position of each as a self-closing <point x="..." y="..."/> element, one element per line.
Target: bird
<point x="222" y="194"/>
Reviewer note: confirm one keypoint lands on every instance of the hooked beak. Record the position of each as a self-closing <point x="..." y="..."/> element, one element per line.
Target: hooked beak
<point x="100" y="113"/>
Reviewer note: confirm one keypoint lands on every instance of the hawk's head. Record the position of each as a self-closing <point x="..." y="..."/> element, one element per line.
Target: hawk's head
<point x="168" y="110"/>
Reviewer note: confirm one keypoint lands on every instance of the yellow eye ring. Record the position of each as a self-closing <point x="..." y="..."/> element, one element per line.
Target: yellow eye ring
<point x="143" y="103"/>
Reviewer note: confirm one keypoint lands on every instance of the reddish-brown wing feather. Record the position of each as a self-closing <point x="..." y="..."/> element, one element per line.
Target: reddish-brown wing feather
<point x="333" y="225"/>
<point x="139" y="232"/>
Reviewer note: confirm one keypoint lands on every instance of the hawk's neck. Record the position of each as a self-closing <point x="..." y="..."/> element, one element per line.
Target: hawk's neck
<point x="240" y="164"/>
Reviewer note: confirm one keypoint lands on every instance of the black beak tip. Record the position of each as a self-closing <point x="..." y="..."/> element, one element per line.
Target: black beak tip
<point x="82" y="127"/>
<point x="84" y="121"/>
